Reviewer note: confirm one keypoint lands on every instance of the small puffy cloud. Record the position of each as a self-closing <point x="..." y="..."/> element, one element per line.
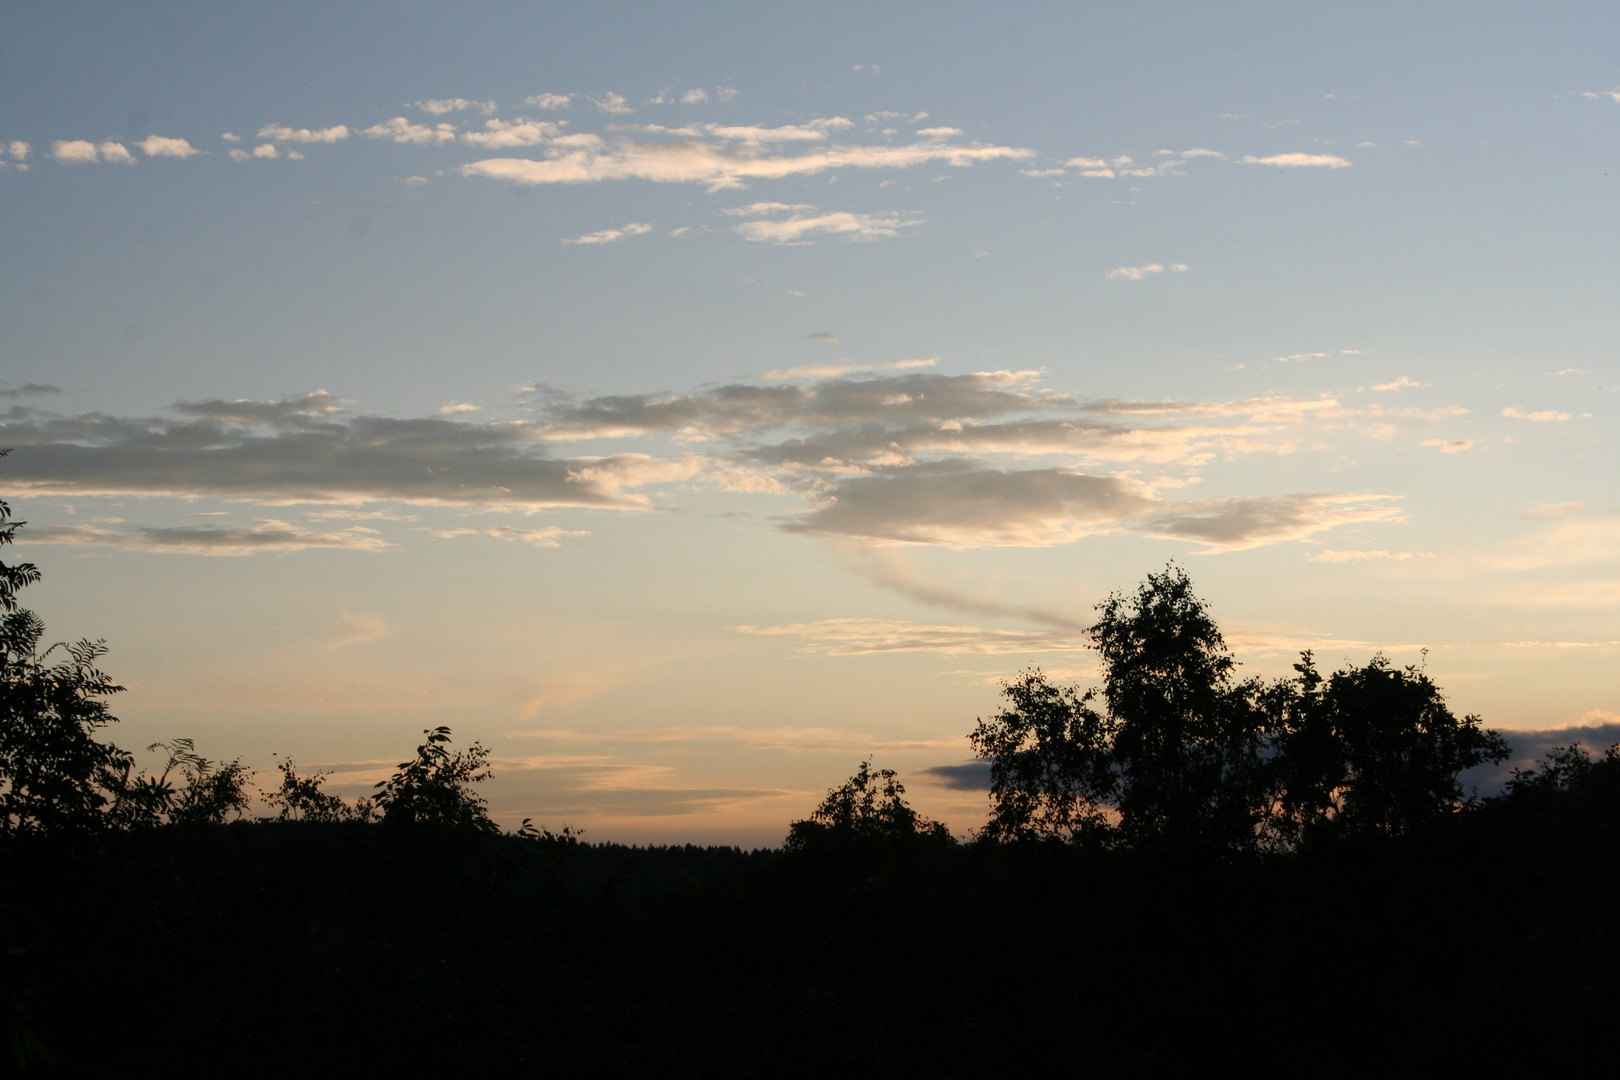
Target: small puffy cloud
<point x="401" y="130"/>
<point x="415" y="181"/>
<point x="73" y="151"/>
<point x="608" y="236"/>
<point x="695" y="95"/>
<point x="551" y="102"/>
<point x="502" y="135"/>
<point x="1041" y="174"/>
<point x="19" y="150"/>
<point x="240" y="156"/>
<point x="265" y="535"/>
<point x="1402" y="383"/>
<point x="1198" y="152"/>
<point x="548" y="537"/>
<point x="612" y="104"/>
<point x="230" y="138"/>
<point x="1542" y="416"/>
<point x="823" y="335"/>
<point x="266" y="150"/>
<point x="1298" y="161"/>
<point x="117" y="153"/>
<point x="158" y="146"/>
<point x="440" y="106"/>
<point x="800" y="224"/>
<point x="1137" y="273"/>
<point x="1456" y="446"/>
<point x="452" y="408"/>
<point x="1612" y="95"/>
<point x="283" y="133"/>
<point x="726" y="93"/>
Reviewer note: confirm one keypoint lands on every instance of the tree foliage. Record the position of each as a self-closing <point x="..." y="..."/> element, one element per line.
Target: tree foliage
<point x="1174" y="749"/>
<point x="436" y="787"/>
<point x="300" y="798"/>
<point x="867" y="810"/>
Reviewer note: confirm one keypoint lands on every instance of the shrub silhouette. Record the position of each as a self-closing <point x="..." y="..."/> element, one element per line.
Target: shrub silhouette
<point x="867" y="810"/>
<point x="300" y="798"/>
<point x="435" y="788"/>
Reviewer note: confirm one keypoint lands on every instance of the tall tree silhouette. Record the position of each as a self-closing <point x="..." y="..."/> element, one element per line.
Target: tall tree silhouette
<point x="435" y="788"/>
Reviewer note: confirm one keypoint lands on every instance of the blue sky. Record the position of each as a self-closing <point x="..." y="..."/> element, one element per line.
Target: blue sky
<point x="690" y="400"/>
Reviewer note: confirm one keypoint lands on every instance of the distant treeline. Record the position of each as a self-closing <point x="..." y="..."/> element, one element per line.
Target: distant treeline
<point x="1181" y="870"/>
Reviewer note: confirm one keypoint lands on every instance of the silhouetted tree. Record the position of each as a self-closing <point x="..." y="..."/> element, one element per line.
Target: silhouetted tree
<point x="1175" y="756"/>
<point x="435" y="787"/>
<point x="300" y="798"/>
<point x="15" y="575"/>
<point x="867" y="810"/>
<point x="1369" y="751"/>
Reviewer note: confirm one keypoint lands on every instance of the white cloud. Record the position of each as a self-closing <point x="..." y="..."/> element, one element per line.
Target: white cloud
<point x="611" y="103"/>
<point x="1298" y="161"/>
<point x="726" y="93"/>
<point x="1455" y="446"/>
<point x="1612" y="95"/>
<point x="239" y="155"/>
<point x="228" y="137"/>
<point x="608" y="236"/>
<point x="265" y="150"/>
<point x="1542" y="416"/>
<point x="1401" y="383"/>
<point x="452" y="408"/>
<point x="440" y="106"/>
<point x="401" y="130"/>
<point x="829" y="371"/>
<point x="415" y="181"/>
<point x="578" y="159"/>
<point x="73" y="151"/>
<point x="548" y="537"/>
<point x="804" y="223"/>
<point x="553" y="102"/>
<point x="502" y="135"/>
<point x="1137" y="273"/>
<point x="116" y="153"/>
<point x="283" y="133"/>
<point x="158" y="146"/>
<point x="19" y="150"/>
<point x="695" y="95"/>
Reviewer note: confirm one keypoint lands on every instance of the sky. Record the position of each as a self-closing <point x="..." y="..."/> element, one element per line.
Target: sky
<point x="690" y="401"/>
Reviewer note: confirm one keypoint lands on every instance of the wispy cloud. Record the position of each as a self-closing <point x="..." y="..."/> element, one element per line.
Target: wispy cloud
<point x="1541" y="416"/>
<point x="1137" y="273"/>
<point x="357" y="630"/>
<point x="832" y="371"/>
<point x="265" y="535"/>
<point x="1298" y="161"/>
<point x="283" y="133"/>
<point x="611" y="103"/>
<point x="863" y="637"/>
<point x="608" y="236"/>
<point x="441" y="106"/>
<point x="552" y="102"/>
<point x="401" y="130"/>
<point x="1364" y="556"/>
<point x="799" y="224"/>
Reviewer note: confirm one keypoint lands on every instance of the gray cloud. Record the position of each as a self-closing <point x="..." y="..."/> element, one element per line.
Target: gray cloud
<point x="264" y="536"/>
<point x="971" y="776"/>
<point x="28" y="390"/>
<point x="301" y="450"/>
<point x="1531" y="747"/>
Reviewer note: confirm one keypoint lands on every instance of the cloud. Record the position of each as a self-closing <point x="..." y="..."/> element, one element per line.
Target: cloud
<point x="611" y="103"/>
<point x="451" y="408"/>
<point x="1298" y="161"/>
<point x="548" y="537"/>
<point x="440" y="106"/>
<point x="504" y="135"/>
<point x="158" y="146"/>
<point x="116" y="153"/>
<point x="1137" y="273"/>
<point x="1543" y="416"/>
<point x="1612" y="95"/>
<point x="265" y="535"/>
<point x="1359" y="556"/>
<point x="799" y="225"/>
<point x="553" y="102"/>
<point x="970" y="776"/>
<point x="19" y="150"/>
<point x="1529" y="748"/>
<point x="1455" y="446"/>
<point x="1401" y="383"/>
<point x="608" y="236"/>
<point x="1571" y="542"/>
<point x="717" y="161"/>
<point x="73" y="151"/>
<point x="823" y="335"/>
<point x="303" y="450"/>
<point x="886" y="568"/>
<point x="401" y="130"/>
<point x="283" y="133"/>
<point x="693" y="96"/>
<point x="1555" y="510"/>
<point x="865" y="637"/>
<point x="28" y="390"/>
<point x="357" y="630"/>
<point x="828" y="371"/>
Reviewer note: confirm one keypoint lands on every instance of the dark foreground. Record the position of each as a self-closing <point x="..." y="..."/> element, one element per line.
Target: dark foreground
<point x="285" y="949"/>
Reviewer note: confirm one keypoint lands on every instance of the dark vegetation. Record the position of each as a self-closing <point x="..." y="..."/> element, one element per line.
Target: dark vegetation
<point x="1183" y="870"/>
